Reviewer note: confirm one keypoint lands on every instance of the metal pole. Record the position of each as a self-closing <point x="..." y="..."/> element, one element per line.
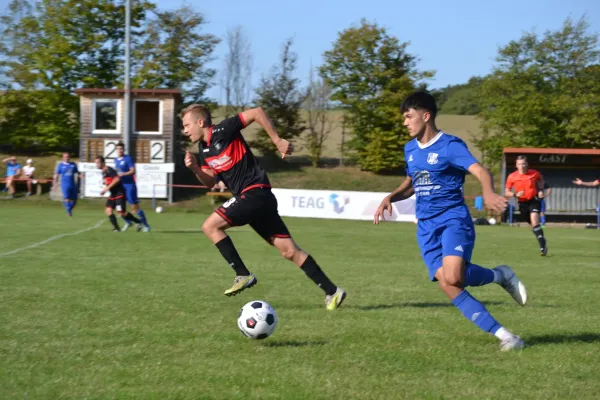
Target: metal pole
<point x="127" y="112"/>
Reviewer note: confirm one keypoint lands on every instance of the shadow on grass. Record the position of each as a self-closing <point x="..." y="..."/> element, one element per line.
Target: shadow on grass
<point x="415" y="305"/>
<point x="295" y="343"/>
<point x="587" y="337"/>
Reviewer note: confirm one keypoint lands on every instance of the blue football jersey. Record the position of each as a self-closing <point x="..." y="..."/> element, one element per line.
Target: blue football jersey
<point x="67" y="172"/>
<point x="438" y="171"/>
<point x="124" y="164"/>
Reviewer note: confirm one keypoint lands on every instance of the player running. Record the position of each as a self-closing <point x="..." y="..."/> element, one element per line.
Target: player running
<point x="547" y="192"/>
<point x="527" y="185"/>
<point x="67" y="171"/>
<point x="436" y="165"/>
<point x="126" y="169"/>
<point x="116" y="199"/>
<point x="225" y="152"/>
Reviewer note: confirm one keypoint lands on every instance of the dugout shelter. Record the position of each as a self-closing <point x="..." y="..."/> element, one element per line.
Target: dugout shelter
<point x="559" y="167"/>
<point x="152" y="143"/>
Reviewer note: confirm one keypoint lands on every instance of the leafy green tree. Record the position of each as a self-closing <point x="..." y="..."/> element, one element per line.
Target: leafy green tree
<point x="279" y="95"/>
<point x="173" y="54"/>
<point x="371" y="73"/>
<point x="544" y="92"/>
<point x="459" y="99"/>
<point x="49" y="48"/>
<point x="319" y="118"/>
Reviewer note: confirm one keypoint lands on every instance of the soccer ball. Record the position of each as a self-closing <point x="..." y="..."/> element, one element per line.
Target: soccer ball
<point x="159" y="210"/>
<point x="257" y="320"/>
<point x="492" y="221"/>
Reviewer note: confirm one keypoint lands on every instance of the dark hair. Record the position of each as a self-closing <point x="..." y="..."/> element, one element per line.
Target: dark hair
<point x="420" y="101"/>
<point x="101" y="159"/>
<point x="522" y="158"/>
<point x="120" y="144"/>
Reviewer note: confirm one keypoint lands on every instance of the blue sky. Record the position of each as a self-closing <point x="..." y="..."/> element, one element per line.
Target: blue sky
<point x="457" y="39"/>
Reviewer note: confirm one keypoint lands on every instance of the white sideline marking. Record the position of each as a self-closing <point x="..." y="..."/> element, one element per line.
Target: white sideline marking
<point x="50" y="239"/>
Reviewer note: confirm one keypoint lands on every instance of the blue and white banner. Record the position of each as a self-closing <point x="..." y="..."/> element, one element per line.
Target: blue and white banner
<point x="337" y="204"/>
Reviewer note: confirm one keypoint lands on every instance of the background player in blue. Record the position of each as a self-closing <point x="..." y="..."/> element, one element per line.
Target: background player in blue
<point x="126" y="169"/>
<point x="67" y="170"/>
<point x="436" y="165"/>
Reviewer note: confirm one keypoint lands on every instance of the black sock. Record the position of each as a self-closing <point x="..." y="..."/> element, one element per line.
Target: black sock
<point x="113" y="220"/>
<point x="314" y="272"/>
<point x="232" y="257"/>
<point x="539" y="234"/>
<point x="131" y="218"/>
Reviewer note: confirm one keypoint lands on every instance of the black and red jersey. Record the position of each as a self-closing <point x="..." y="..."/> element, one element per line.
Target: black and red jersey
<point x="108" y="175"/>
<point x="227" y="154"/>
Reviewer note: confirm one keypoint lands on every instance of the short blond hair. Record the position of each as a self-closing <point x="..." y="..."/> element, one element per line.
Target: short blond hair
<point x="199" y="111"/>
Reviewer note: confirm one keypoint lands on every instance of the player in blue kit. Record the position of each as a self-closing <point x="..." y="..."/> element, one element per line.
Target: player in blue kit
<point x="67" y="171"/>
<point x="436" y="165"/>
<point x="126" y="169"/>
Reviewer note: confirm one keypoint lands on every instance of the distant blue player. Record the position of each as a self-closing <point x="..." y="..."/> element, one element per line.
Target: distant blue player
<point x="436" y="164"/>
<point x="70" y="188"/>
<point x="126" y="168"/>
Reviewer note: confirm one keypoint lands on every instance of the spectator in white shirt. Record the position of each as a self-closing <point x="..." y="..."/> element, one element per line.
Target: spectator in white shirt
<point x="28" y="171"/>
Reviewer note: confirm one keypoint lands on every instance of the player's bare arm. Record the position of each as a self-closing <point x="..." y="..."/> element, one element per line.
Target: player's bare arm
<point x="206" y="176"/>
<point x="261" y="118"/>
<point x="403" y="192"/>
<point x="579" y="182"/>
<point x="492" y="200"/>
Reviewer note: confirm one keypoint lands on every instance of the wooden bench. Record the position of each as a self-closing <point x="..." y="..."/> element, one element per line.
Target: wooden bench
<point x="38" y="184"/>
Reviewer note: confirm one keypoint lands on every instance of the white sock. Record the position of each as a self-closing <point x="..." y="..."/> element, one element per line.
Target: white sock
<point x="503" y="334"/>
<point x="497" y="276"/>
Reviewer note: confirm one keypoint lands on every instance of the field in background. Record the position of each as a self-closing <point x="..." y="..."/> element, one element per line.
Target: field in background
<point x="463" y="126"/>
<point x="141" y="316"/>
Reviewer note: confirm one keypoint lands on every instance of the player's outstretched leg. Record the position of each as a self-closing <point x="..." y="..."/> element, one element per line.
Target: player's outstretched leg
<point x="334" y="296"/>
<point x="539" y="235"/>
<point x="214" y="227"/>
<point x="451" y="282"/>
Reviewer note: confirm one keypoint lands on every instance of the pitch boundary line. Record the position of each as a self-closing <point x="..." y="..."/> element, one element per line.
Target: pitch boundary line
<point x="50" y="239"/>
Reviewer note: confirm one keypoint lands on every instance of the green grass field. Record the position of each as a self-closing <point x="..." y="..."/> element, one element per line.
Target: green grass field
<point x="102" y="315"/>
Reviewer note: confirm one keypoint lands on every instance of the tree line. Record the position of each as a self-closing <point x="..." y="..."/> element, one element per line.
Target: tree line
<point x="543" y="90"/>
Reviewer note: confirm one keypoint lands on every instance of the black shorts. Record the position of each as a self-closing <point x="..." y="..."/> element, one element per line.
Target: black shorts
<point x="526" y="208"/>
<point x="257" y="208"/>
<point x="117" y="203"/>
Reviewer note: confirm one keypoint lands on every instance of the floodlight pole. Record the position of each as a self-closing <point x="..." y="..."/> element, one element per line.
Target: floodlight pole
<point x="127" y="108"/>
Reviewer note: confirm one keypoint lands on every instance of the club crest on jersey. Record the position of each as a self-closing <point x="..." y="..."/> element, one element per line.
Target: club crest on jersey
<point x="432" y="158"/>
<point x="410" y="158"/>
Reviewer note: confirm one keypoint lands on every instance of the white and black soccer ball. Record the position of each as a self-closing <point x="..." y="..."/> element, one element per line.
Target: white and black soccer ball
<point x="257" y="320"/>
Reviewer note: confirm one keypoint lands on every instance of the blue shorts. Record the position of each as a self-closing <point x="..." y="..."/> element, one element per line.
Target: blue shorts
<point x="445" y="235"/>
<point x="69" y="192"/>
<point x="131" y="193"/>
<point x="542" y="205"/>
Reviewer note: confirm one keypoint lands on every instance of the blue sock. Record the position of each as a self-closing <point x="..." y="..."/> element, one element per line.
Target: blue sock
<point x="142" y="216"/>
<point x="478" y="276"/>
<point x="476" y="312"/>
<point x="66" y="204"/>
<point x="70" y="206"/>
<point x="543" y="219"/>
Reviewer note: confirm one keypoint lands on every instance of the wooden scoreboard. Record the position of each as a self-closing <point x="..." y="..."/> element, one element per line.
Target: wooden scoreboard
<point x="152" y="140"/>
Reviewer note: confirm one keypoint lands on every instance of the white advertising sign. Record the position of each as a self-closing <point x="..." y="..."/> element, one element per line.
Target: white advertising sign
<point x="336" y="204"/>
<point x="147" y="175"/>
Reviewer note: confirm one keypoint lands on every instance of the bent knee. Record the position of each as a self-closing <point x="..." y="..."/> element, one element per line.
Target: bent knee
<point x="289" y="253"/>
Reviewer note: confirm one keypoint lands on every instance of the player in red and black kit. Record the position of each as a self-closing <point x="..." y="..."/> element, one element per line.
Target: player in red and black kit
<point x="116" y="199"/>
<point x="224" y="152"/>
